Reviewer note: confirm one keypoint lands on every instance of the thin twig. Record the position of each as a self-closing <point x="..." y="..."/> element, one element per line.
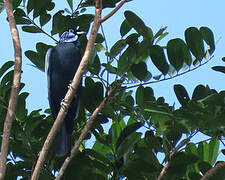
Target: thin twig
<point x="171" y="77"/>
<point x="32" y="21"/>
<point x="14" y="91"/>
<point x="113" y="11"/>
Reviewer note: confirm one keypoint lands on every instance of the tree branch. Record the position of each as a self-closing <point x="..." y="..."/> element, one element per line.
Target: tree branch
<point x="71" y="92"/>
<point x="84" y="133"/>
<point x="14" y="90"/>
<point x="219" y="167"/>
<point x="113" y="11"/>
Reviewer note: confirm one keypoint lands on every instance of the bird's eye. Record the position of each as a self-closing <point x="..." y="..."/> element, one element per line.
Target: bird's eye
<point x="71" y="30"/>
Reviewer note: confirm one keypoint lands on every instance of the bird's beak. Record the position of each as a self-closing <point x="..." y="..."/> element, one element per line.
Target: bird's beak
<point x="81" y="32"/>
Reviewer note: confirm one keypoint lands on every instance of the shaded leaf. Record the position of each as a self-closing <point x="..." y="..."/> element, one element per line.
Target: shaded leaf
<point x="181" y="94"/>
<point x="178" y="53"/>
<point x="208" y="36"/>
<point x="31" y="29"/>
<point x="158" y="58"/>
<point x="137" y="24"/>
<point x="140" y="71"/>
<point x="127" y="131"/>
<point x="195" y="42"/>
<point x="117" y="48"/>
<point x="219" y="68"/>
<point x="124" y="28"/>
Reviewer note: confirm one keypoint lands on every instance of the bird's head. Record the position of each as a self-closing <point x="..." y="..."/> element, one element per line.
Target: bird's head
<point x="70" y="35"/>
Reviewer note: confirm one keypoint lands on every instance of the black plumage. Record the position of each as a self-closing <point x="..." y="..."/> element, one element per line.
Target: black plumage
<point x="62" y="62"/>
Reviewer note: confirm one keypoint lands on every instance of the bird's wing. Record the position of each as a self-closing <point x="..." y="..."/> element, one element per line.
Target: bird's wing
<point x="47" y="69"/>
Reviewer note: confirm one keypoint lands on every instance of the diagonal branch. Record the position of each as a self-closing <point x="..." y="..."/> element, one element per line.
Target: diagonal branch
<point x="14" y="90"/>
<point x="71" y="92"/>
<point x="84" y="133"/>
<point x="113" y="11"/>
<point x="220" y="167"/>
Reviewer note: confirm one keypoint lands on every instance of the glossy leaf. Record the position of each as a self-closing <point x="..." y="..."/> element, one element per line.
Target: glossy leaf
<point x="5" y="67"/>
<point x="128" y="130"/>
<point x="137" y="23"/>
<point x="44" y="18"/>
<point x="140" y="71"/>
<point x="181" y="94"/>
<point x="144" y="94"/>
<point x="124" y="28"/>
<point x="70" y="2"/>
<point x="208" y="36"/>
<point x="158" y="58"/>
<point x="194" y="41"/>
<point x="213" y="150"/>
<point x="178" y="53"/>
<point x="99" y="38"/>
<point x="20" y="17"/>
<point x="117" y="48"/>
<point x="38" y="58"/>
<point x="31" y="29"/>
<point x="219" y="68"/>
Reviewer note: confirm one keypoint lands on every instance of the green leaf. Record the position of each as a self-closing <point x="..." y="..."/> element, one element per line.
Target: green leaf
<point x="181" y="94"/>
<point x="124" y="28"/>
<point x="115" y="131"/>
<point x="110" y="68"/>
<point x="125" y="144"/>
<point x="99" y="38"/>
<point x="200" y="92"/>
<point x="128" y="130"/>
<point x="159" y="33"/>
<point x="1" y="5"/>
<point x="38" y="58"/>
<point x="16" y="3"/>
<point x="20" y="17"/>
<point x="178" y="53"/>
<point x="213" y="150"/>
<point x="208" y="36"/>
<point x="70" y="2"/>
<point x="158" y="58"/>
<point x="204" y="167"/>
<point x="219" y="68"/>
<point x="21" y="111"/>
<point x="137" y="24"/>
<point x="44" y="18"/>
<point x="195" y="42"/>
<point x="140" y="71"/>
<point x="117" y="48"/>
<point x="132" y="39"/>
<point x="31" y="29"/>
<point x="92" y="94"/>
<point x="5" y="67"/>
<point x="144" y="95"/>
<point x="99" y="47"/>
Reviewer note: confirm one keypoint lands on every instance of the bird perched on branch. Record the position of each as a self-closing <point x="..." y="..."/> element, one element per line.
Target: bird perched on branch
<point x="61" y="65"/>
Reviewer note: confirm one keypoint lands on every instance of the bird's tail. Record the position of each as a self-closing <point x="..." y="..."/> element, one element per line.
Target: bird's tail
<point x="63" y="142"/>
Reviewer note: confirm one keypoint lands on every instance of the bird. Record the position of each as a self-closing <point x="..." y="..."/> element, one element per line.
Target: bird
<point x="61" y="64"/>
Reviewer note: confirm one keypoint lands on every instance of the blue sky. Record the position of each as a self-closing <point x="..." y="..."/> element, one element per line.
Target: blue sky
<point x="176" y="14"/>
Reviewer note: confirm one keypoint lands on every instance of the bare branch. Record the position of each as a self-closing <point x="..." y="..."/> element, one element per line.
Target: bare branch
<point x="14" y="90"/>
<point x="113" y="11"/>
<point x="219" y="167"/>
